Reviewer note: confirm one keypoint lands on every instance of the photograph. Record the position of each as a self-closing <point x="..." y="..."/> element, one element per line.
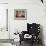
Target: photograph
<point x="22" y="22"/>
<point x="20" y="14"/>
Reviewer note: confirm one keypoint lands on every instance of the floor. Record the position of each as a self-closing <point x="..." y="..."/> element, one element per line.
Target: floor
<point x="6" y="44"/>
<point x="27" y="44"/>
<point x="23" y="44"/>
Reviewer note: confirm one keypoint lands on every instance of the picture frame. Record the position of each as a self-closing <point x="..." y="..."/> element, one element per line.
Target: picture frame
<point x="20" y="14"/>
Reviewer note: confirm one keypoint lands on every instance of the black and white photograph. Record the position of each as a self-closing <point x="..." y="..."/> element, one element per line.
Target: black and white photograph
<point x="22" y="22"/>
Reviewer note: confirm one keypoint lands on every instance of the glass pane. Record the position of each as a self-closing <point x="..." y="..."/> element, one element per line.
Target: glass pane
<point x="3" y="17"/>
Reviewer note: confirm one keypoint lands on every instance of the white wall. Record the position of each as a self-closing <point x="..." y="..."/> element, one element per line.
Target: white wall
<point x="35" y="14"/>
<point x="3" y="1"/>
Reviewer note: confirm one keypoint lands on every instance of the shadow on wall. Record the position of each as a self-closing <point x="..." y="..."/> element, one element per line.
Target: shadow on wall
<point x="41" y="34"/>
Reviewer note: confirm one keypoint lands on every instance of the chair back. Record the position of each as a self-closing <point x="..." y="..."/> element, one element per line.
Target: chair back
<point x="33" y="28"/>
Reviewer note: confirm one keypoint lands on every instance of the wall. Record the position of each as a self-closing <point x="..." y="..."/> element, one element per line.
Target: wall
<point x="35" y="14"/>
<point x="3" y="1"/>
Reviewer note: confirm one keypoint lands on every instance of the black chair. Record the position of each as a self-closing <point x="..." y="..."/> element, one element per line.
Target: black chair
<point x="32" y="29"/>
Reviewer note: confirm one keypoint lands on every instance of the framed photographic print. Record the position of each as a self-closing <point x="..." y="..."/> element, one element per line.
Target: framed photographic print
<point x="20" y="14"/>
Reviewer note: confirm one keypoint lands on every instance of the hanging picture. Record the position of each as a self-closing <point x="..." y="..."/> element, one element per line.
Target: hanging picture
<point x="20" y="14"/>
